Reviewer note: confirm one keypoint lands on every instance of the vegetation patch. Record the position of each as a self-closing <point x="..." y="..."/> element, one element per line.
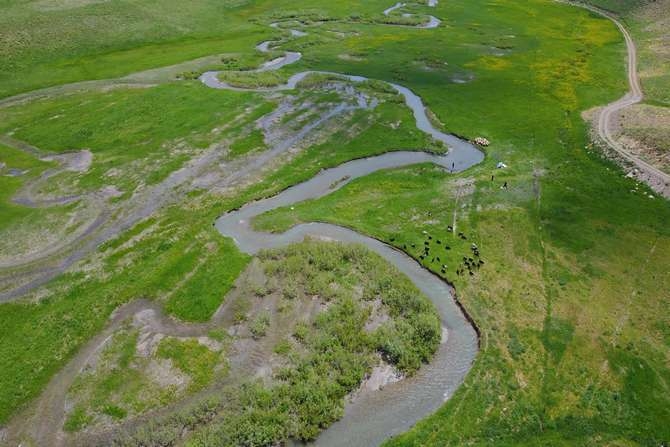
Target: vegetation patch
<point x="136" y="135"/>
<point x="202" y="292"/>
<point x="195" y="360"/>
<point x="115" y="386"/>
<point x="251" y="143"/>
<point x="17" y="169"/>
<point x="253" y="79"/>
<point x="322" y="347"/>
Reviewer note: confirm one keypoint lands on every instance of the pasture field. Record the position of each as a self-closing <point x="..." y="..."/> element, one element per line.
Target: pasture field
<point x="153" y="258"/>
<point x="54" y="42"/>
<point x="570" y="300"/>
<point x="153" y="129"/>
<point x="574" y="338"/>
<point x="18" y="169"/>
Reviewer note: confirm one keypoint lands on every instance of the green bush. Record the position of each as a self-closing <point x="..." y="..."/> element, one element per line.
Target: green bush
<point x="336" y="351"/>
<point x="259" y="325"/>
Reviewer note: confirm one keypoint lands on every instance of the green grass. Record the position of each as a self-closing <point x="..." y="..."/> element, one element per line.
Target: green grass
<point x="70" y="40"/>
<point x="646" y="22"/>
<point x="551" y="305"/>
<point x="77" y="420"/>
<point x="647" y="26"/>
<point x="51" y="331"/>
<point x="195" y="360"/>
<point x="372" y="134"/>
<point x="157" y="264"/>
<point x="157" y="128"/>
<point x="573" y="258"/>
<point x="254" y="80"/>
<point x="251" y="143"/>
<point x="32" y="168"/>
<point x="202" y="293"/>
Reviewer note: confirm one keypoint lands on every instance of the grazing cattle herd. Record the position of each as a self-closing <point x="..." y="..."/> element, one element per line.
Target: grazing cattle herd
<point x="469" y="264"/>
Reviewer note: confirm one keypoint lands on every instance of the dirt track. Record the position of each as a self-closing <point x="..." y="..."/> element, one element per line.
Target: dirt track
<point x="657" y="179"/>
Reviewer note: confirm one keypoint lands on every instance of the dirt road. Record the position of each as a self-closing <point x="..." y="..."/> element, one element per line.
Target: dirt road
<point x="657" y="179"/>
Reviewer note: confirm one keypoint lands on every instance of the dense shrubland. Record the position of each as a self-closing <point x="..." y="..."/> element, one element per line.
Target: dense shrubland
<point x="325" y="356"/>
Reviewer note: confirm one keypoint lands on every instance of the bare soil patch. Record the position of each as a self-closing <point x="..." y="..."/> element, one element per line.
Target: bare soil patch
<point x="645" y="131"/>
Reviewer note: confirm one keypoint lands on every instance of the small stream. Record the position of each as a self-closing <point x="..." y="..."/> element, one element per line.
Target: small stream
<point x="433" y="22"/>
<point x="374" y="416"/>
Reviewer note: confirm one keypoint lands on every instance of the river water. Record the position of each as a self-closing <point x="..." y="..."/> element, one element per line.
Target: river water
<point x="374" y="416"/>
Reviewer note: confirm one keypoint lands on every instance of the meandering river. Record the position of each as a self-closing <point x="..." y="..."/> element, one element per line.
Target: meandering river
<point x="373" y="417"/>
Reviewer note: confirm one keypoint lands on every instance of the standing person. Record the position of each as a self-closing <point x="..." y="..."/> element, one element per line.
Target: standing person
<point x="505" y="185"/>
<point x="492" y="177"/>
<point x="453" y="164"/>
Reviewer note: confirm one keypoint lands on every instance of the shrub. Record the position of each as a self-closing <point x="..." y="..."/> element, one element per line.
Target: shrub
<point x="259" y="325"/>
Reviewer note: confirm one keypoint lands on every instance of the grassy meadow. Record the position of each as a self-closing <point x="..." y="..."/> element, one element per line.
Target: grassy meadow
<point x="154" y="130"/>
<point x="571" y="298"/>
<point x="29" y="168"/>
<point x="51" y="42"/>
<point x="176" y="257"/>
